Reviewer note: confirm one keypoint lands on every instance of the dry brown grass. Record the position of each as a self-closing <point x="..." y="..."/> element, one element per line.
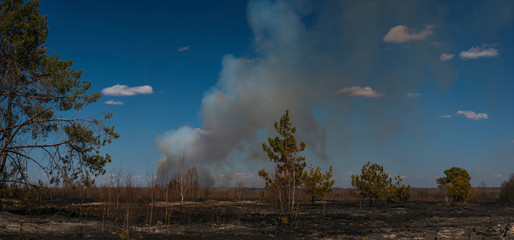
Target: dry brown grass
<point x="123" y="208"/>
<point x="140" y="195"/>
<point x="145" y="195"/>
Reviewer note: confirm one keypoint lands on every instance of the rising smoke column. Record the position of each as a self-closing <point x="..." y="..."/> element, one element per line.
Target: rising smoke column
<point x="305" y="52"/>
<point x="251" y="94"/>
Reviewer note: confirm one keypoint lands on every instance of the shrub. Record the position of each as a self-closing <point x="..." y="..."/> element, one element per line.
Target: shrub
<point x="373" y="183"/>
<point x="317" y="184"/>
<point x="507" y="191"/>
<point x="399" y="191"/>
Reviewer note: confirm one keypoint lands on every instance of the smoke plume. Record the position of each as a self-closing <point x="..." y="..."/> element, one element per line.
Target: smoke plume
<point x="304" y="53"/>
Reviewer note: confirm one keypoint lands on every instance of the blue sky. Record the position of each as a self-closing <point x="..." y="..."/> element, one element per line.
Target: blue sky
<point x="418" y="87"/>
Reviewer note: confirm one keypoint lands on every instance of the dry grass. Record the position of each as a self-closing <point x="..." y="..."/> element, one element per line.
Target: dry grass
<point x="145" y="195"/>
<point x="121" y="207"/>
<point x="123" y="194"/>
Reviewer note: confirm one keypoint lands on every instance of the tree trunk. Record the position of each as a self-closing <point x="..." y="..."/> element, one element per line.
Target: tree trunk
<point x="7" y="140"/>
<point x="324" y="202"/>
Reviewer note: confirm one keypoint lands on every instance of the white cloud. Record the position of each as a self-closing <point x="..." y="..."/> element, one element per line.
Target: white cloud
<point x="473" y="115"/>
<point x="446" y="56"/>
<point x="181" y="49"/>
<point x="124" y="90"/>
<point x="360" y="91"/>
<point x="477" y="52"/>
<point x="112" y="102"/>
<point x="413" y="95"/>
<point x="445" y="116"/>
<point x="401" y="33"/>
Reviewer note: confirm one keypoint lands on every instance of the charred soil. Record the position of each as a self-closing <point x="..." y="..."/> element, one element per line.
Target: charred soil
<point x="255" y="220"/>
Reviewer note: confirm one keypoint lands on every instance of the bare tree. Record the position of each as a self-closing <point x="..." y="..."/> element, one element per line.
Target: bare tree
<point x="180" y="176"/>
<point x="240" y="189"/>
<point x="129" y="189"/>
<point x="192" y="176"/>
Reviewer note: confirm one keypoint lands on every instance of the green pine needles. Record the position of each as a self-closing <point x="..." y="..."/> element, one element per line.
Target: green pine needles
<point x="374" y="184"/>
<point x="455" y="184"/>
<point x="286" y="187"/>
<point x="38" y="94"/>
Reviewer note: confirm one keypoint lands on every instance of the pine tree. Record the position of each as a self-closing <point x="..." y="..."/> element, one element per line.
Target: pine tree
<point x="455" y="184"/>
<point x="36" y="92"/>
<point x="372" y="183"/>
<point x="283" y="186"/>
<point x="317" y="184"/>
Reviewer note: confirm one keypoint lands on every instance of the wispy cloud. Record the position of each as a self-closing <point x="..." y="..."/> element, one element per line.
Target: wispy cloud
<point x="360" y="91"/>
<point x="473" y="115"/>
<point x="445" y="116"/>
<point x="413" y="95"/>
<point x="181" y="49"/>
<point x="124" y="90"/>
<point x="446" y="56"/>
<point x="477" y="52"/>
<point x="401" y="33"/>
<point x="112" y="102"/>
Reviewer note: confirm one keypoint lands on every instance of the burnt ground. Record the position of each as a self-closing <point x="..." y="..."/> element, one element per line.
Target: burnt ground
<point x="254" y="220"/>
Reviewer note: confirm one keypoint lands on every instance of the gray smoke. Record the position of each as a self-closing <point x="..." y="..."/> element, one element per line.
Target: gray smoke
<point x="305" y="52"/>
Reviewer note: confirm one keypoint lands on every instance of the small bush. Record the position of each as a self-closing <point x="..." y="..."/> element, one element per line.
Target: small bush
<point x="455" y="184"/>
<point x="507" y="191"/>
<point x="401" y="192"/>
<point x="375" y="185"/>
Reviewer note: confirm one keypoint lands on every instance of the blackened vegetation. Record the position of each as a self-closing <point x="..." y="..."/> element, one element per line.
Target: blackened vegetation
<point x="251" y="220"/>
<point x="224" y="216"/>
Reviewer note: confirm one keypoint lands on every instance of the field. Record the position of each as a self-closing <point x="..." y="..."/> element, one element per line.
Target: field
<point x="124" y="213"/>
